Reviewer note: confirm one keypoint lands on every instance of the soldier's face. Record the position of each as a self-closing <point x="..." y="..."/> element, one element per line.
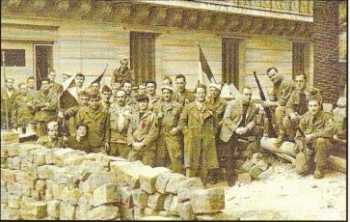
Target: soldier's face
<point x="273" y="76"/>
<point x="300" y="82"/>
<point x="81" y="131"/>
<point x="94" y="103"/>
<point x="106" y="96"/>
<point x="151" y="89"/>
<point x="166" y="95"/>
<point x="124" y="64"/>
<point x="180" y="84"/>
<point x="214" y="92"/>
<point x="84" y="100"/>
<point x="314" y="107"/>
<point x="127" y="88"/>
<point x="200" y="94"/>
<point x="142" y="90"/>
<point x="45" y="85"/>
<point x="23" y="89"/>
<point x="30" y="84"/>
<point x="79" y="80"/>
<point x="52" y="76"/>
<point x="120" y="98"/>
<point x="247" y="95"/>
<point x="96" y="86"/>
<point x="143" y="105"/>
<point x="52" y="132"/>
<point x="9" y="84"/>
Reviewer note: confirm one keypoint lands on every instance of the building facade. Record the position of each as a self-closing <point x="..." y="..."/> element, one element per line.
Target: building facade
<point x="160" y="38"/>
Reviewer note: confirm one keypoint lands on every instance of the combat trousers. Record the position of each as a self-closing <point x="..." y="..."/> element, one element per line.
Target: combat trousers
<point x="199" y="170"/>
<point x="146" y="155"/>
<point x="289" y="128"/>
<point x="316" y="152"/>
<point x="41" y="128"/>
<point x="236" y="150"/>
<point x="119" y="149"/>
<point x="169" y="147"/>
<point x="280" y="114"/>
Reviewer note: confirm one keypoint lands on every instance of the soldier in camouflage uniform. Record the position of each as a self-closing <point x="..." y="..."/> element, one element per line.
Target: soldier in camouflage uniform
<point x="120" y="117"/>
<point x="182" y="95"/>
<point x="318" y="128"/>
<point x="52" y="140"/>
<point x="97" y="120"/>
<point x="45" y="106"/>
<point x="143" y="133"/>
<point x="198" y="124"/>
<point x="169" y="140"/>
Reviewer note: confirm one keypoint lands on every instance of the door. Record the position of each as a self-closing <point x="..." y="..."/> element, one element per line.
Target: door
<point x="43" y="62"/>
<point x="142" y="56"/>
<point x="230" y="61"/>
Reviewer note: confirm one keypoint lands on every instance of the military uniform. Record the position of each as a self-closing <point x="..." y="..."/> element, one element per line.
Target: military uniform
<point x="168" y="145"/>
<point x="238" y="147"/>
<point x="120" y="75"/>
<point x="183" y="98"/>
<point x="322" y="126"/>
<point x="198" y="124"/>
<point x="143" y="128"/>
<point x="50" y="143"/>
<point x="281" y="92"/>
<point x="7" y="101"/>
<point x="82" y="145"/>
<point x="56" y="87"/>
<point x="97" y="122"/>
<point x="45" y="105"/>
<point x="23" y="112"/>
<point x="297" y="103"/>
<point x="152" y="101"/>
<point x="120" y="118"/>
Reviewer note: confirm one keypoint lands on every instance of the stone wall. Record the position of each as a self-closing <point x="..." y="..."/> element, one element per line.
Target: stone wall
<point x="41" y="183"/>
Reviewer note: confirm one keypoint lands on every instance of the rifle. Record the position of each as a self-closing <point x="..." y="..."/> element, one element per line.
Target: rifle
<point x="267" y="110"/>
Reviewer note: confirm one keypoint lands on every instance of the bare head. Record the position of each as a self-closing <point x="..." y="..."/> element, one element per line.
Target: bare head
<point x="273" y="75"/>
<point x="314" y="106"/>
<point x="300" y="81"/>
<point x="180" y="83"/>
<point x="52" y="129"/>
<point x="200" y="93"/>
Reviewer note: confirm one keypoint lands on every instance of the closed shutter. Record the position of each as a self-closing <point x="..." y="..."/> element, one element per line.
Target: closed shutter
<point x="230" y="61"/>
<point x="142" y="56"/>
<point x="298" y="58"/>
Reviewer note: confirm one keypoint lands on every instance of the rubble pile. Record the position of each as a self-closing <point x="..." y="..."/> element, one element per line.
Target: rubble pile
<point x="41" y="183"/>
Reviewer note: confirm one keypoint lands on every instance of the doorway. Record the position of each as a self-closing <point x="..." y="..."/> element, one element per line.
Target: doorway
<point x="43" y="62"/>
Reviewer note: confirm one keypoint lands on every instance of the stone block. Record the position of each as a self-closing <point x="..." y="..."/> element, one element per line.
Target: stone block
<point x="148" y="178"/>
<point x="40" y="185"/>
<point x="32" y="208"/>
<point x="206" y="201"/>
<point x="104" y="213"/>
<point x="48" y="194"/>
<point x="156" y="201"/>
<point x="167" y="201"/>
<point x="14" y="163"/>
<point x="130" y="174"/>
<point x="151" y="212"/>
<point x="174" y="182"/>
<point x="56" y="189"/>
<point x="186" y="187"/>
<point x="39" y="157"/>
<point x="53" y="209"/>
<point x="15" y="188"/>
<point x="84" y="206"/>
<point x="88" y="167"/>
<point x="96" y="180"/>
<point x="74" y="160"/>
<point x="173" y="207"/>
<point x="9" y="176"/>
<point x="106" y="194"/>
<point x="67" y="211"/>
<point x="244" y="178"/>
<point x="14" y="201"/>
<point x="118" y="168"/>
<point x="25" y="179"/>
<point x="70" y="195"/>
<point x="100" y="158"/>
<point x="185" y="211"/>
<point x="126" y="213"/>
<point x="139" y="213"/>
<point x="59" y="155"/>
<point x="12" y="150"/>
<point x="162" y="182"/>
<point x="125" y="196"/>
<point x="47" y="171"/>
<point x="11" y="214"/>
<point x="65" y="176"/>
<point x="139" y="198"/>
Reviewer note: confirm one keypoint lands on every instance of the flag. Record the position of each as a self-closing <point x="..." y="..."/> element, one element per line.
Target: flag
<point x="205" y="66"/>
<point x="99" y="78"/>
<point x="66" y="99"/>
<point x="230" y="91"/>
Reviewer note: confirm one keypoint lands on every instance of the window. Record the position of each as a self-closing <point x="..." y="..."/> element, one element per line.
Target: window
<point x="13" y="57"/>
<point x="230" y="61"/>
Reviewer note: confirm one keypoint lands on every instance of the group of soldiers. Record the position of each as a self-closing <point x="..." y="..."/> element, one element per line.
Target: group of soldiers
<point x="192" y="132"/>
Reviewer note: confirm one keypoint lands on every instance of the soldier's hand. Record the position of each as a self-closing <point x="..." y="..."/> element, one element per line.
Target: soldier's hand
<point x="309" y="138"/>
<point x="137" y="145"/>
<point x="60" y="115"/>
<point x="174" y="131"/>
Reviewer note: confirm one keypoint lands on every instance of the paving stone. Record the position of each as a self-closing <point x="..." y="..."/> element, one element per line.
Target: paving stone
<point x="100" y="158"/>
<point x="125" y="196"/>
<point x="162" y="182"/>
<point x="118" y="169"/>
<point x="70" y="195"/>
<point x="131" y="174"/>
<point x="12" y="150"/>
<point x="244" y="178"/>
<point x="126" y="213"/>
<point x="208" y="200"/>
<point x="8" y="175"/>
<point x="31" y="208"/>
<point x="59" y="155"/>
<point x="47" y="171"/>
<point x="174" y="182"/>
<point x="139" y="198"/>
<point x="106" y="194"/>
<point x="96" y="180"/>
<point x="186" y="187"/>
<point x="67" y="211"/>
<point x="15" y="188"/>
<point x="148" y="178"/>
<point x="104" y="213"/>
<point x="185" y="211"/>
<point x="156" y="201"/>
<point x="39" y="157"/>
<point x="40" y="185"/>
<point x="84" y="206"/>
<point x="14" y="163"/>
<point x="53" y="209"/>
<point x="151" y="212"/>
<point x="74" y="160"/>
<point x="139" y="213"/>
<point x="14" y="201"/>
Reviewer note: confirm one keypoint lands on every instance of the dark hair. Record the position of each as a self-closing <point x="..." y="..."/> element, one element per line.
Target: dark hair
<point x="106" y="89"/>
<point x="151" y="81"/>
<point x="83" y="93"/>
<point x="84" y="125"/>
<point x="142" y="98"/>
<point x="301" y="74"/>
<point x="80" y="74"/>
<point x="271" y="68"/>
<point x="200" y="86"/>
<point x="30" y="77"/>
<point x="180" y="76"/>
